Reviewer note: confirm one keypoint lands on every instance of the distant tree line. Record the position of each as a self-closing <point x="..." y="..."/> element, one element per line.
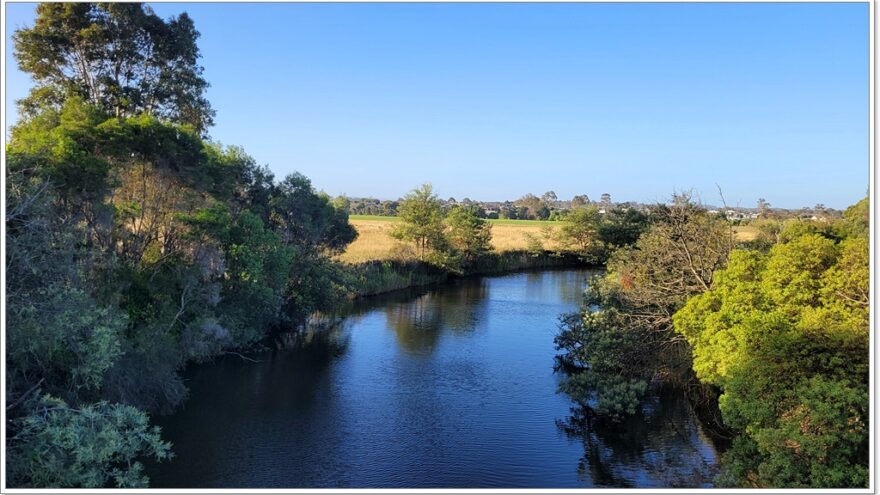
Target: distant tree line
<point x="371" y="206"/>
<point x="549" y="207"/>
<point x="528" y="207"/>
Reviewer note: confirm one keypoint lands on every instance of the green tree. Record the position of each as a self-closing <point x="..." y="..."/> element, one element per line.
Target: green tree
<point x="621" y="227"/>
<point x="120" y="57"/>
<point x="468" y="234"/>
<point x="784" y="335"/>
<point x="580" y="200"/>
<point x="594" y="236"/>
<point x="62" y="340"/>
<point x="533" y="207"/>
<point x="421" y="221"/>
<point x="308" y="219"/>
<point x="59" y="336"/>
<point x="623" y="338"/>
<point x="508" y="211"/>
<point x="256" y="272"/>
<point x="579" y="231"/>
<point x="534" y="244"/>
<point x="857" y="218"/>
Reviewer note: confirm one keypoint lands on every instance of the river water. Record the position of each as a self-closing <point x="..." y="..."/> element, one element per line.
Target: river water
<point x="448" y="387"/>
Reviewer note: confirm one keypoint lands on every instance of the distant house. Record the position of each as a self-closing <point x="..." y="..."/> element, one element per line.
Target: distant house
<point x="734" y="215"/>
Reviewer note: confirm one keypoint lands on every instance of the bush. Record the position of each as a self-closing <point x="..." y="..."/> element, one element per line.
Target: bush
<point x="785" y="336"/>
<point x="96" y="445"/>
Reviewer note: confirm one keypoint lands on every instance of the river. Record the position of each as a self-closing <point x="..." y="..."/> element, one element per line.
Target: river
<point x="447" y="387"/>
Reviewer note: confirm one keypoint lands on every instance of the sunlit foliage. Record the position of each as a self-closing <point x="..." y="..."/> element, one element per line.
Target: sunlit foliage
<point x="785" y="335"/>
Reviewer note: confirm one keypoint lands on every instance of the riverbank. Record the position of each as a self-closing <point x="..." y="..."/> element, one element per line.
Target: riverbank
<point x="381" y="276"/>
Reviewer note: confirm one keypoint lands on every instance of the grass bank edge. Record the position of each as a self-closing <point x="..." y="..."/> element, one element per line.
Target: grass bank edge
<point x="375" y="277"/>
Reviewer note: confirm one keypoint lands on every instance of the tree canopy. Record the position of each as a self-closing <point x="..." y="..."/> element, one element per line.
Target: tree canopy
<point x="469" y="235"/>
<point x="119" y="57"/>
<point x="422" y="221"/>
<point x="623" y="339"/>
<point x="785" y="336"/>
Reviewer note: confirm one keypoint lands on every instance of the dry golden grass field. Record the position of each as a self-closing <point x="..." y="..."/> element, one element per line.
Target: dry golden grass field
<point x="375" y="243"/>
<point x="745" y="232"/>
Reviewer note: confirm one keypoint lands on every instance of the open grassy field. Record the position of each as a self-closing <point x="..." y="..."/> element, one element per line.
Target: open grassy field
<point x="745" y="232"/>
<point x="375" y="243"/>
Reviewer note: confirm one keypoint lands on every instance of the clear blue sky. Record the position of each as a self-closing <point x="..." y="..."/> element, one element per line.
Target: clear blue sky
<point x="492" y="101"/>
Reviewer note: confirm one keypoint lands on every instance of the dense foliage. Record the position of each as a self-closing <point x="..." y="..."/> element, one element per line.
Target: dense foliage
<point x="624" y="340"/>
<point x="421" y="222"/>
<point x="469" y="235"/>
<point x="595" y="234"/>
<point x="455" y="239"/>
<point x="120" y="57"/>
<point x="61" y="446"/>
<point x="134" y="245"/>
<point x="777" y="331"/>
<point x="785" y="336"/>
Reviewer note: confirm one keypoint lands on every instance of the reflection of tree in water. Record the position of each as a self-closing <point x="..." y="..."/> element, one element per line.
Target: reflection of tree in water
<point x="461" y="308"/>
<point x="567" y="285"/>
<point x="660" y="446"/>
<point x="571" y="284"/>
<point x="418" y="323"/>
<point x="318" y="345"/>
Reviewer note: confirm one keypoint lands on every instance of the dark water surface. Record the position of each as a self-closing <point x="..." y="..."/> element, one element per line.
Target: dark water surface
<point x="447" y="387"/>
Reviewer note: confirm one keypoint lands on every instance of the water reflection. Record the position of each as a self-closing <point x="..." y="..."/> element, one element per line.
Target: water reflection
<point x="571" y="287"/>
<point x="416" y="325"/>
<point x="322" y="343"/>
<point x="566" y="286"/>
<point x="419" y="323"/>
<point x="241" y="407"/>
<point x="663" y="445"/>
